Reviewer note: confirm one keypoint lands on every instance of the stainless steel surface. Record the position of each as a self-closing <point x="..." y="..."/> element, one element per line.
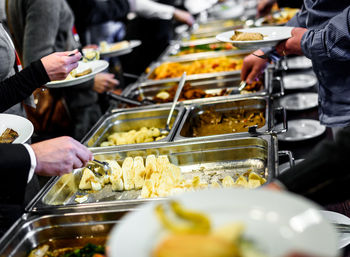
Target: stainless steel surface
<point x="185" y="129"/>
<point x="211" y="85"/>
<point x="185" y="60"/>
<point x="31" y="231"/>
<point x="242" y="85"/>
<point x="104" y="165"/>
<point x="215" y="25"/>
<point x="229" y="156"/>
<point x="133" y="118"/>
<point x="176" y="97"/>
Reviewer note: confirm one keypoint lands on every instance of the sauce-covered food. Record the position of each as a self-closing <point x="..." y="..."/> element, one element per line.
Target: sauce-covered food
<point x="213" y="122"/>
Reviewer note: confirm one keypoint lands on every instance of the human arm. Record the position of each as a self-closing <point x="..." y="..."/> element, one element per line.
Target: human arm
<point x="330" y="42"/>
<point x="55" y="66"/>
<point x="59" y="156"/>
<point x="264" y="7"/>
<point x="151" y="9"/>
<point x="104" y="82"/>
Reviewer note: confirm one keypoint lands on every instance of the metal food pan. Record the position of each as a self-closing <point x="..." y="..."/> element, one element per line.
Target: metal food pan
<point x="217" y="25"/>
<point x="188" y="60"/>
<point x="63" y="230"/>
<point x="133" y="118"/>
<point x="258" y="103"/>
<point x="224" y="157"/>
<point x="211" y="85"/>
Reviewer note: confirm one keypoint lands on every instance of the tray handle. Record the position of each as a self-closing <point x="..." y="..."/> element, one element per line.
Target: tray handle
<point x="290" y="156"/>
<point x="281" y="86"/>
<point x="285" y="122"/>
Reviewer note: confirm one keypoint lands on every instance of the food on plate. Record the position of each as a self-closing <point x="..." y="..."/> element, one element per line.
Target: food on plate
<point x="246" y="36"/>
<point x="212" y="122"/>
<point x="281" y="17"/>
<point x="192" y="234"/>
<point x="157" y="177"/>
<point x="143" y="135"/>
<point x="176" y="69"/>
<point x="188" y="92"/>
<point x="83" y="73"/>
<point x="89" y="249"/>
<point x="220" y="46"/>
<point x="8" y="136"/>
<point x="105" y="47"/>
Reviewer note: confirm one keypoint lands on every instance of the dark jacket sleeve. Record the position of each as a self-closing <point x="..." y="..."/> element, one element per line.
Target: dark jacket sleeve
<point x="21" y="85"/>
<point x="325" y="175"/>
<point x="14" y="167"/>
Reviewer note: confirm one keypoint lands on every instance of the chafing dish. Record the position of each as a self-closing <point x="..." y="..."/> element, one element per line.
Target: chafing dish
<point x="206" y="46"/>
<point x="235" y="155"/>
<point x="256" y="103"/>
<point x="211" y="85"/>
<point x="133" y="118"/>
<point x="189" y="60"/>
<point x="215" y="25"/>
<point x="71" y="229"/>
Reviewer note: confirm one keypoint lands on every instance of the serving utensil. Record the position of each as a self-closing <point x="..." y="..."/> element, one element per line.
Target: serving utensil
<point x="104" y="165"/>
<point x="176" y="97"/>
<point x="129" y="100"/>
<point x="242" y="85"/>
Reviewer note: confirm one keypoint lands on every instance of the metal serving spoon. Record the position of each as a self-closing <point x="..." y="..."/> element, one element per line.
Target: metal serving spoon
<point x="176" y="97"/>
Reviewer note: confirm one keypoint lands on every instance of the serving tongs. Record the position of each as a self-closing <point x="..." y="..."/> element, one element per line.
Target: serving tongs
<point x="129" y="100"/>
<point x="176" y="97"/>
<point x="104" y="165"/>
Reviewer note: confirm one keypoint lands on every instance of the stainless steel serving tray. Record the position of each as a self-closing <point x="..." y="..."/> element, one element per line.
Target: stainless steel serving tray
<point x="73" y="229"/>
<point x="262" y="103"/>
<point x="211" y="85"/>
<point x="124" y="120"/>
<point x="201" y="56"/>
<point x="217" y="25"/>
<point x="230" y="156"/>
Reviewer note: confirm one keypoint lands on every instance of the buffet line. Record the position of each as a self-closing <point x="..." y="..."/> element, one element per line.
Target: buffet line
<point x="220" y="137"/>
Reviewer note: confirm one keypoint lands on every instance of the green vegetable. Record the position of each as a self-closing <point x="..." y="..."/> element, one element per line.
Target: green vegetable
<point x="87" y="251"/>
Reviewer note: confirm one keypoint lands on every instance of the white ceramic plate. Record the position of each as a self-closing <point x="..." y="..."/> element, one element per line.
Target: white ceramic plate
<point x="132" y="44"/>
<point x="96" y="66"/>
<point x="299" y="62"/>
<point x="302" y="129"/>
<point x="273" y="35"/>
<point x="334" y="217"/>
<point x="299" y="101"/>
<point x="299" y="81"/>
<point x="21" y="125"/>
<point x="278" y="222"/>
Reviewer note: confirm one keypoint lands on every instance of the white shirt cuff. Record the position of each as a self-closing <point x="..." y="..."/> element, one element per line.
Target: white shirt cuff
<point x="151" y="9"/>
<point x="32" y="162"/>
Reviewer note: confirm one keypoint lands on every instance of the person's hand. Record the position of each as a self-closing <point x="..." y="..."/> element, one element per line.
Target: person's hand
<point x="184" y="17"/>
<point x="253" y="67"/>
<point x="59" y="64"/>
<point x="264" y="7"/>
<point x="273" y="186"/>
<point x="293" y="44"/>
<point x="60" y="155"/>
<point x="104" y="82"/>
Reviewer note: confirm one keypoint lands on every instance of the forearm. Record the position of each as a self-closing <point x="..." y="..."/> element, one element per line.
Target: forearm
<point x="331" y="42"/>
<point x="21" y="85"/>
<point x="151" y="9"/>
